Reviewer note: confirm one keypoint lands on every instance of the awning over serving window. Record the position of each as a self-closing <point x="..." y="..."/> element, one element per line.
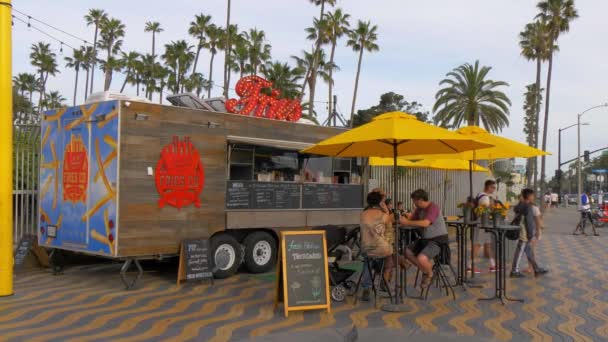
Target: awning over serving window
<point x="287" y="145"/>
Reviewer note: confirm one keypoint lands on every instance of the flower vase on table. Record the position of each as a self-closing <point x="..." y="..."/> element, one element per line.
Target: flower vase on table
<point x="496" y="220"/>
<point x="467" y="211"/>
<point x="485" y="219"/>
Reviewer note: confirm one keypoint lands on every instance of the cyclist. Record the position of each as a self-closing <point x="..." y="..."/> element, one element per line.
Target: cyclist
<point x="585" y="209"/>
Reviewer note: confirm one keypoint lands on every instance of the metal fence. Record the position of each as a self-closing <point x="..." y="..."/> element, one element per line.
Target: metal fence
<point x="26" y="143"/>
<point x="446" y="188"/>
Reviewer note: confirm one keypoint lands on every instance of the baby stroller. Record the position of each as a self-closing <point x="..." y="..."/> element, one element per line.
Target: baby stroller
<point x="338" y="241"/>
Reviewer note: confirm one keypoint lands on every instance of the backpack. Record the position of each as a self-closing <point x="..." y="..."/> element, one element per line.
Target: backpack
<point x="475" y="205"/>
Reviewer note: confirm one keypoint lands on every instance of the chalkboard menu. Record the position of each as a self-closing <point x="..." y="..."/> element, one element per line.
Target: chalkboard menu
<point x="23" y="248"/>
<point x="262" y="195"/>
<point x="320" y="196"/>
<point x="302" y="275"/>
<point x="194" y="261"/>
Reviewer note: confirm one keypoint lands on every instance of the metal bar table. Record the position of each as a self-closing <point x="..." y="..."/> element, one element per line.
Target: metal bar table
<point x="406" y="237"/>
<point x="461" y="239"/>
<point x="500" y="233"/>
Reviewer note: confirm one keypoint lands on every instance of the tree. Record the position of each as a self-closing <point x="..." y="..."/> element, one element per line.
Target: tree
<point x="307" y="63"/>
<point x="469" y="97"/>
<point x="95" y="17"/>
<point x="161" y="75"/>
<point x="154" y="27"/>
<point x="112" y="32"/>
<point x="45" y="62"/>
<point x="130" y="62"/>
<point x="319" y="34"/>
<point x="214" y="35"/>
<point x="178" y="57"/>
<point x="53" y="100"/>
<point x="362" y="38"/>
<point x="89" y="56"/>
<point x="557" y="14"/>
<point x="532" y="99"/>
<point x="25" y="83"/>
<point x="284" y="78"/>
<point x="197" y="83"/>
<point x="228" y="48"/>
<point x="259" y="49"/>
<point x="198" y="30"/>
<point x="337" y="26"/>
<point x="22" y="108"/>
<point x="240" y="56"/>
<point x="390" y="102"/>
<point x="110" y="65"/>
<point x="534" y="44"/>
<point x="75" y="62"/>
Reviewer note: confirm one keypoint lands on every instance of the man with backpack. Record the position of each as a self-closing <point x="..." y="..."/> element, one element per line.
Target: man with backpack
<point x="486" y="199"/>
<point x="585" y="209"/>
<point x="528" y="218"/>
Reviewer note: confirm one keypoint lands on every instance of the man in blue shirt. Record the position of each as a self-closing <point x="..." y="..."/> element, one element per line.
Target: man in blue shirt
<point x="585" y="209"/>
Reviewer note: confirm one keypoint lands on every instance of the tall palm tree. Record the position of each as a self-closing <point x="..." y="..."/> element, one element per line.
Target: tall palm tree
<point x="318" y="42"/>
<point x="323" y="67"/>
<point x="532" y="98"/>
<point x="284" y="78"/>
<point x="130" y="63"/>
<point x="95" y="17"/>
<point x="534" y="44"/>
<point x="259" y="49"/>
<point x="469" y="97"/>
<point x="110" y="65"/>
<point x="337" y="26"/>
<point x="240" y="56"/>
<point x="89" y="56"/>
<point x="196" y="82"/>
<point x="362" y="38"/>
<point x="45" y="62"/>
<point x="53" y="100"/>
<point x="230" y="34"/>
<point x="112" y="32"/>
<point x="214" y="36"/>
<point x="25" y="83"/>
<point x="161" y="74"/>
<point x="557" y="14"/>
<point x="198" y="30"/>
<point x="178" y="57"/>
<point x="318" y="33"/>
<point x="154" y="27"/>
<point x="75" y="62"/>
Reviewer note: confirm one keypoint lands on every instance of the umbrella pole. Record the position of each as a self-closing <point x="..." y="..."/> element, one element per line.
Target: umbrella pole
<point x="397" y="304"/>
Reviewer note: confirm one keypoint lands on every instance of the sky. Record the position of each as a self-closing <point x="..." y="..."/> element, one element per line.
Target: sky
<point x="420" y="41"/>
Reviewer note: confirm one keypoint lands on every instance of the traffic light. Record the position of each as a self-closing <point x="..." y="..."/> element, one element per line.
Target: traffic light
<point x="586" y="156"/>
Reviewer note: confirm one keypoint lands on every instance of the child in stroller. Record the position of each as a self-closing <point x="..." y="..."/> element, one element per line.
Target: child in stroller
<point x="340" y="245"/>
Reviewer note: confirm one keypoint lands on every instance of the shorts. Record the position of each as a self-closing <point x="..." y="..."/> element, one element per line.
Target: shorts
<point x="481" y="237"/>
<point x="427" y="247"/>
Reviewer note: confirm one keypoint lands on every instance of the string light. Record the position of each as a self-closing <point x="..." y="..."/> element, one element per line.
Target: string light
<point x="30" y="18"/>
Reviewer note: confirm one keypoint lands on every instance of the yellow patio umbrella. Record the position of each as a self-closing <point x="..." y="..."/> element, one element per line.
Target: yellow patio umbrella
<point x="393" y="135"/>
<point x="382" y="161"/>
<point x="449" y="164"/>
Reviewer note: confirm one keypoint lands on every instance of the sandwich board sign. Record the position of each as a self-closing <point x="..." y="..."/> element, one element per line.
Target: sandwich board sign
<point x="302" y="272"/>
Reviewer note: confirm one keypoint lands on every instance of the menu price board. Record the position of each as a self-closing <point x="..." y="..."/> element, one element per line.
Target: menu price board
<point x="322" y="196"/>
<point x="194" y="261"/>
<point x="262" y="195"/>
<point x="302" y="273"/>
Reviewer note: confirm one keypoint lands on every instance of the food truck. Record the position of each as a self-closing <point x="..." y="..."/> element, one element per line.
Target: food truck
<point x="130" y="180"/>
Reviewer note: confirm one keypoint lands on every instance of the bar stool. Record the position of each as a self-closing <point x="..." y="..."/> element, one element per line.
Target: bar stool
<point x="374" y="266"/>
<point x="439" y="274"/>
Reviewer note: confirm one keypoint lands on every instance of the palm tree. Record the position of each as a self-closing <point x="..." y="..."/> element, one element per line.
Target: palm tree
<point x="362" y="38"/>
<point x="228" y="48"/>
<point x="469" y="97"/>
<point x="89" y="56"/>
<point x="161" y="74"/>
<point x="95" y="17"/>
<point x="130" y="63"/>
<point x="110" y="65"/>
<point x="25" y="83"/>
<point x="154" y="27"/>
<point x="284" y="78"/>
<point x="557" y="14"/>
<point x="75" y="62"/>
<point x="112" y="32"/>
<point x="532" y="98"/>
<point x="197" y="83"/>
<point x="534" y="43"/>
<point x="319" y="34"/>
<point x="198" y="30"/>
<point x="337" y="26"/>
<point x="240" y="56"/>
<point x="178" y="57"/>
<point x="317" y="46"/>
<point x="214" y="36"/>
<point x="323" y="67"/>
<point x="53" y="100"/>
<point x="45" y="62"/>
<point x="259" y="49"/>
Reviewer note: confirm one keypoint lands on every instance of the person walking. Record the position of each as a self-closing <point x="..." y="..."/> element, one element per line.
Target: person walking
<point x="585" y="209"/>
<point x="529" y="221"/>
<point x="485" y="199"/>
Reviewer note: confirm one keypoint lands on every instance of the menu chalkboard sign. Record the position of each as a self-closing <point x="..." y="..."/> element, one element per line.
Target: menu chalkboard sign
<point x="262" y="195"/>
<point x="194" y="261"/>
<point x="23" y="248"/>
<point x="302" y="274"/>
<point x="320" y="196"/>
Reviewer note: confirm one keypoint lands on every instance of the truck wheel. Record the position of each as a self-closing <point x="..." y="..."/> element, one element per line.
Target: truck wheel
<point x="260" y="252"/>
<point x="227" y="255"/>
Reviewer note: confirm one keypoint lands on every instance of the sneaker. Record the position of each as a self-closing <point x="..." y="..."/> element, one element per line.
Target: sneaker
<point x="540" y="272"/>
<point x="477" y="271"/>
<point x="365" y="296"/>
<point x="516" y="275"/>
<point x="493" y="269"/>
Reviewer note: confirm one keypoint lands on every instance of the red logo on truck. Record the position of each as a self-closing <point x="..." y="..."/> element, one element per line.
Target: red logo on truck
<point x="179" y="174"/>
<point x="75" y="170"/>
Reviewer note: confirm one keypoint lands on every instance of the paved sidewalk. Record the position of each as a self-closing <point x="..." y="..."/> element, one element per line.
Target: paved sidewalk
<point x="88" y="303"/>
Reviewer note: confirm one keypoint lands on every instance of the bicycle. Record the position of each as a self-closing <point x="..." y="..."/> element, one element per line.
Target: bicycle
<point x="585" y="216"/>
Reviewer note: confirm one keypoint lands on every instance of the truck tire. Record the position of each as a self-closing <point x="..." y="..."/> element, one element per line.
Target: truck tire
<point x="227" y="255"/>
<point x="260" y="252"/>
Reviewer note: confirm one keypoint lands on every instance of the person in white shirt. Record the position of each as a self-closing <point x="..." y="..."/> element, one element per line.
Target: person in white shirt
<point x="554" y="199"/>
<point x="486" y="199"/>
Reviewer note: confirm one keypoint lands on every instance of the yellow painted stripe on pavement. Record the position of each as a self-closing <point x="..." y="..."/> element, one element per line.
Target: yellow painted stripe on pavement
<point x="294" y="318"/>
<point x="426" y="321"/>
<point x="224" y="333"/>
<point x="359" y="318"/>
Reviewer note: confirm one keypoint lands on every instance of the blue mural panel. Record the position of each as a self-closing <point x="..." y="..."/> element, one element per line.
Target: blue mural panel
<point x="78" y="178"/>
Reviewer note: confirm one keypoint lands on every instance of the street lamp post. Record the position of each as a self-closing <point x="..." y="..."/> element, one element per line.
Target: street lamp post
<point x="559" y="157"/>
<point x="578" y="156"/>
